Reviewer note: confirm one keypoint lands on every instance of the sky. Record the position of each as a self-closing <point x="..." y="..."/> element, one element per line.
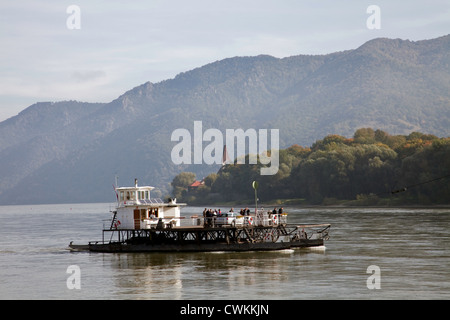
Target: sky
<point x="95" y="50"/>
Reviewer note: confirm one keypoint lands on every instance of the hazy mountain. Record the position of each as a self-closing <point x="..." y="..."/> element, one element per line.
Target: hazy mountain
<point x="71" y="151"/>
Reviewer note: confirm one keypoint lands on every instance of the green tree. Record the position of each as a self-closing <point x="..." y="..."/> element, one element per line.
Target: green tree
<point x="364" y="136"/>
<point x="181" y="182"/>
<point x="365" y="168"/>
<point x="421" y="169"/>
<point x="210" y="179"/>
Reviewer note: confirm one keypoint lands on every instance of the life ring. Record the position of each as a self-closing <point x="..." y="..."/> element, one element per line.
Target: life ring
<point x="250" y="220"/>
<point x="275" y="219"/>
<point x="117" y="224"/>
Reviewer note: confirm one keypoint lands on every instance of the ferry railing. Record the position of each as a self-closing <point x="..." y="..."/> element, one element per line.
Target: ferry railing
<point x="261" y="219"/>
<point x="267" y="219"/>
<point x="313" y="231"/>
<point x="194" y="220"/>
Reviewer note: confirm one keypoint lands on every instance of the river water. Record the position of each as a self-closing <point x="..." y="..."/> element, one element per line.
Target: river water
<point x="407" y="248"/>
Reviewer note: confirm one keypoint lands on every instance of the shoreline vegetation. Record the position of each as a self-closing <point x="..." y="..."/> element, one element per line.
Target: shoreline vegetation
<point x="287" y="203"/>
<point x="373" y="168"/>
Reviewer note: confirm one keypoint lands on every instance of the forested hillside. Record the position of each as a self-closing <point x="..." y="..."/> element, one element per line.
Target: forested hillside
<point x="372" y="168"/>
<point x="66" y="152"/>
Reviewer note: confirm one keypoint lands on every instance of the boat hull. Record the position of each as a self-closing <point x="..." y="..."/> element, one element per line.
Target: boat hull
<point x="195" y="247"/>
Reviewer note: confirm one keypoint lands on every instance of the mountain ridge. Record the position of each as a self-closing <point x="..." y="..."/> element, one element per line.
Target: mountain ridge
<point x="391" y="84"/>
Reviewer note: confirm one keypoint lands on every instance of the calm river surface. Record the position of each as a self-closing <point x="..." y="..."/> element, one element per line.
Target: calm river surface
<point x="409" y="246"/>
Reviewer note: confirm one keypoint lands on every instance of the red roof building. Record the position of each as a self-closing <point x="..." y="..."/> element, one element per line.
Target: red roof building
<point x="196" y="184"/>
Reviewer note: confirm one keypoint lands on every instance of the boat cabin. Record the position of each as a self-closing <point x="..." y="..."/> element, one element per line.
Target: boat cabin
<point x="136" y="209"/>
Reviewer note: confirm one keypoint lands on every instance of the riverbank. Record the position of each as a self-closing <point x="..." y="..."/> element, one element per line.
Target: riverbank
<point x="373" y="201"/>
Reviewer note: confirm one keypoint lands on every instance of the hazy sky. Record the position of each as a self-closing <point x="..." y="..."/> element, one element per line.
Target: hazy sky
<point x="122" y="44"/>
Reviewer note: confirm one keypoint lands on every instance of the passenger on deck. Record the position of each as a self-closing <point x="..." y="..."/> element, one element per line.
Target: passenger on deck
<point x="303" y="234"/>
<point x="208" y="217"/>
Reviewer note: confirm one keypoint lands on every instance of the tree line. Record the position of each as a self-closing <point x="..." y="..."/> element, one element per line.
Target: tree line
<point x="372" y="168"/>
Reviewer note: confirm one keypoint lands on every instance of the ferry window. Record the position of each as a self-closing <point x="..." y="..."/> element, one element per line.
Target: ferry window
<point x="128" y="195"/>
<point x="146" y="195"/>
<point x="121" y="196"/>
<point x="144" y="214"/>
<point x="142" y="195"/>
<point x="133" y="195"/>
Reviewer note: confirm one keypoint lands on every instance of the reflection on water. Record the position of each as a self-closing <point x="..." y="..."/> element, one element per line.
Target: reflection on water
<point x="410" y="246"/>
<point x="217" y="275"/>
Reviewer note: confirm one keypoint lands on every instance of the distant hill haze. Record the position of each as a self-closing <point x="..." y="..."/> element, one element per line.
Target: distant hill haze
<point x="66" y="152"/>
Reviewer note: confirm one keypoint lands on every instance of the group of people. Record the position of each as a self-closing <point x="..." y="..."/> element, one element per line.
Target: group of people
<point x="275" y="211"/>
<point x="243" y="212"/>
<point x="208" y="213"/>
<point x="210" y="216"/>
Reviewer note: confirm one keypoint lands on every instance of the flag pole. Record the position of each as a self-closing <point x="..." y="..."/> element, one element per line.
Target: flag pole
<point x="255" y="186"/>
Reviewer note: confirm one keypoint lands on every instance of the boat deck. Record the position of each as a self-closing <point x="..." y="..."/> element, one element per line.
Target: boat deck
<point x="206" y="238"/>
<point x="226" y="226"/>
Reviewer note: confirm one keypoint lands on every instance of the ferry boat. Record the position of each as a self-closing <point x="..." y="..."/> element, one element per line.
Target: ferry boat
<point x="141" y="223"/>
